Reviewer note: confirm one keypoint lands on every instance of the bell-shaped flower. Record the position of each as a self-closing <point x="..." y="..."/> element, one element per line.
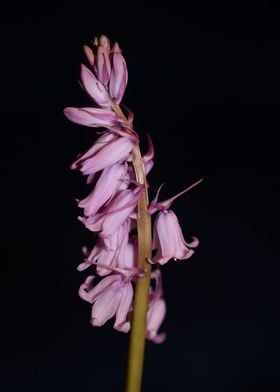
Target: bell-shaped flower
<point x="128" y="255"/>
<point x="156" y="310"/>
<point x="108" y="250"/>
<point x="91" y="117"/>
<point x="105" y="188"/>
<point x="109" y="149"/>
<point x="95" y="89"/>
<point x="107" y="221"/>
<point x="118" y="78"/>
<point x="112" y="296"/>
<point x="168" y="239"/>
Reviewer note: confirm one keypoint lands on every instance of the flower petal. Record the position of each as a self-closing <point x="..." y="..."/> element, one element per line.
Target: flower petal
<point x="121" y="323"/>
<point x="114" y="151"/>
<point x="94" y="88"/>
<point x="102" y="286"/>
<point x="96" y="147"/>
<point x="107" y="303"/>
<point x="118" y="78"/>
<point x="91" y="117"/>
<point x="104" y="189"/>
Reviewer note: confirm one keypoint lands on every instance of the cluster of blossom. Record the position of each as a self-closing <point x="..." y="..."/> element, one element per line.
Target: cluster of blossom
<point x="110" y="210"/>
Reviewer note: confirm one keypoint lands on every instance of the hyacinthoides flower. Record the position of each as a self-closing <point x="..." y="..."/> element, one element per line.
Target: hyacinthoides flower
<point x="125" y="287"/>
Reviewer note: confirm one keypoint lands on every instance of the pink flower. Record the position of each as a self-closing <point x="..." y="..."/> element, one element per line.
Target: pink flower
<point x="169" y="240"/>
<point x="105" y="188"/>
<point x="112" y="296"/>
<point x="91" y="117"/>
<point x="108" y="251"/>
<point x="156" y="311"/>
<point x="94" y="88"/>
<point x="107" y="221"/>
<point x="108" y="72"/>
<point x="103" y="64"/>
<point x="106" y="151"/>
<point x="118" y="78"/>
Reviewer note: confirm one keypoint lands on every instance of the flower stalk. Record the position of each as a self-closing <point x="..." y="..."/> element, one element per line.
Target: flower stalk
<point x="140" y="304"/>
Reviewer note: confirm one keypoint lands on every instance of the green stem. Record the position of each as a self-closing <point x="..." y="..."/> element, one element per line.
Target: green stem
<point x="141" y="295"/>
<point x="140" y="305"/>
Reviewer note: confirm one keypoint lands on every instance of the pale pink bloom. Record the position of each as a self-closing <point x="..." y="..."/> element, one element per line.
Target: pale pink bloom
<point x="112" y="296"/>
<point x="94" y="88"/>
<point x="104" y="189"/>
<point x="108" y="250"/>
<point x="168" y="239"/>
<point x="156" y="310"/>
<point x="155" y="317"/>
<point x="100" y="143"/>
<point x="104" y="154"/>
<point x="128" y="255"/>
<point x="103" y="64"/>
<point x="118" y="78"/>
<point x="107" y="221"/>
<point x="108" y="70"/>
<point x="91" y="117"/>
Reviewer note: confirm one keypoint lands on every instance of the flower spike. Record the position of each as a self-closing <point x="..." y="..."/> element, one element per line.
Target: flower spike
<point x="117" y="210"/>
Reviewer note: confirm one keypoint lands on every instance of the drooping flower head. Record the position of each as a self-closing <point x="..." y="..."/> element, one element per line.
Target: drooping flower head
<point x="168" y="239"/>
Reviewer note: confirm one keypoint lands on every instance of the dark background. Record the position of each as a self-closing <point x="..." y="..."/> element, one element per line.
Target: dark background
<point x="204" y="81"/>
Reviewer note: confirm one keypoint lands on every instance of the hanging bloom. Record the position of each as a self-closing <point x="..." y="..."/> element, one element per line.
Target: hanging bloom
<point x="112" y="296"/>
<point x="108" y="251"/>
<point x="107" y="221"/>
<point x="156" y="310"/>
<point x="103" y="64"/>
<point x="110" y="150"/>
<point x="91" y="117"/>
<point x="169" y="240"/>
<point x="105" y="188"/>
<point x="95" y="89"/>
<point x="118" y="78"/>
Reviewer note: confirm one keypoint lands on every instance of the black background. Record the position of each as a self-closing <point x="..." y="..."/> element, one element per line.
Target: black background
<point x="204" y="82"/>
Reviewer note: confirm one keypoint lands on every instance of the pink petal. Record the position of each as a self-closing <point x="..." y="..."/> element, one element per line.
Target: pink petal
<point x="121" y="208"/>
<point x="102" y="286"/>
<point x="151" y="151"/>
<point x="115" y="214"/>
<point x="91" y="117"/>
<point x="168" y="239"/>
<point x="155" y="316"/>
<point x="103" y="65"/>
<point x="94" y="88"/>
<point x="86" y="287"/>
<point x="118" y="78"/>
<point x="104" y="189"/>
<point x="89" y="54"/>
<point x="107" y="303"/>
<point x="128" y="254"/>
<point x="124" y="307"/>
<point x="97" y="146"/>
<point x="115" y="151"/>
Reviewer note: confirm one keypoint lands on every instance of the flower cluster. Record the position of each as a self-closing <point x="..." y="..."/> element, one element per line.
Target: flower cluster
<point x="110" y="210"/>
